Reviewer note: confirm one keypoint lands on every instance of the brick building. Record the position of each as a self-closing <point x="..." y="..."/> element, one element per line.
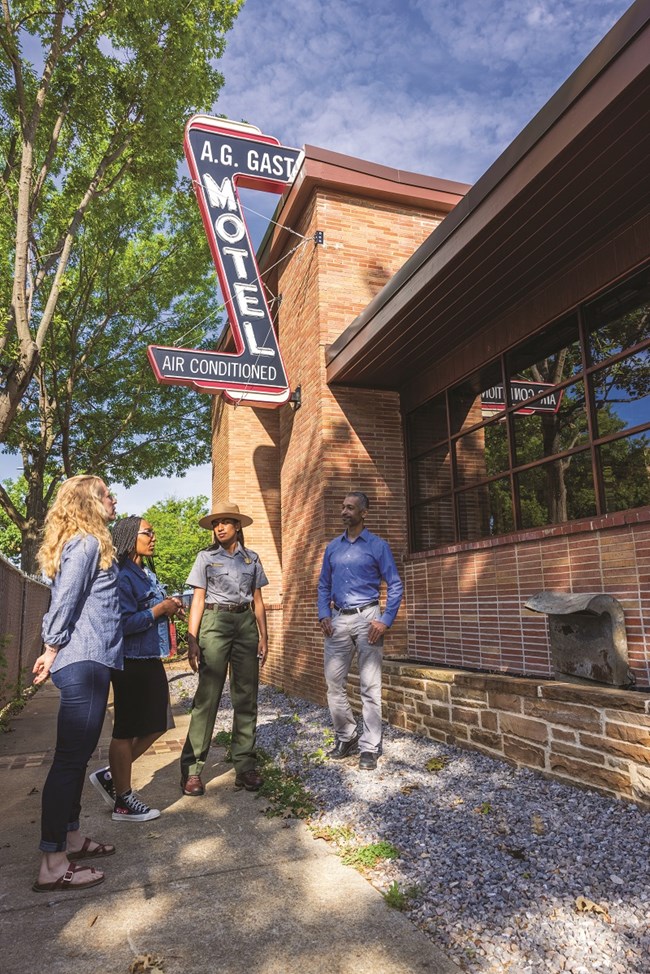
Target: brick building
<point x="414" y="332"/>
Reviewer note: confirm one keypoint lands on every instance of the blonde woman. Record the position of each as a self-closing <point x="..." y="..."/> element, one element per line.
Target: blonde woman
<point x="82" y="639"/>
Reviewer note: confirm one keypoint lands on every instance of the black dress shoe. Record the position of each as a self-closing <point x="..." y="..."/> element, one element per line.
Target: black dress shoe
<point x="367" y="761"/>
<point x="250" y="780"/>
<point x="343" y="748"/>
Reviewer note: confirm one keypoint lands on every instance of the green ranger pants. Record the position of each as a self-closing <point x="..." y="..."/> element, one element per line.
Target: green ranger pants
<point x="225" y="638"/>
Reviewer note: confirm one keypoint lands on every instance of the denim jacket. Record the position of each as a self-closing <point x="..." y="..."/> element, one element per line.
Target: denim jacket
<point x="144" y="636"/>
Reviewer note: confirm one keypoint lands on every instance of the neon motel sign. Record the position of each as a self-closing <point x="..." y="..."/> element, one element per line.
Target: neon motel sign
<point x="221" y="156"/>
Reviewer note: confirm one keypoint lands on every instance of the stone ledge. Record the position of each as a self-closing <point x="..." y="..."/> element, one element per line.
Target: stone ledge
<point x="597" y="696"/>
<point x="602" y="741"/>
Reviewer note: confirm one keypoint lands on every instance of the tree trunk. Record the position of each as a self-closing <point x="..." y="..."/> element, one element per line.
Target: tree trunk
<point x="31" y="533"/>
<point x="30" y="544"/>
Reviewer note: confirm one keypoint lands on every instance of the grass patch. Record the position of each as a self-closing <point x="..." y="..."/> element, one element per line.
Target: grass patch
<point x="341" y="835"/>
<point x="367" y="856"/>
<point x="286" y="792"/>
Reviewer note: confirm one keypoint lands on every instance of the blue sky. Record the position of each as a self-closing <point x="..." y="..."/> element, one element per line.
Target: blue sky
<point x="433" y="86"/>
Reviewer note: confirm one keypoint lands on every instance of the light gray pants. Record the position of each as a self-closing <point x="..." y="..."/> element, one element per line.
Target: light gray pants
<point x="350" y="636"/>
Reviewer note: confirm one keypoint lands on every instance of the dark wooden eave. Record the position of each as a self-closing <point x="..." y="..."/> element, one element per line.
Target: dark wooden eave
<point x="575" y="174"/>
<point x="324" y="170"/>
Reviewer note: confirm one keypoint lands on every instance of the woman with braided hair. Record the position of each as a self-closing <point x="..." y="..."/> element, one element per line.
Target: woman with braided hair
<point x="140" y="691"/>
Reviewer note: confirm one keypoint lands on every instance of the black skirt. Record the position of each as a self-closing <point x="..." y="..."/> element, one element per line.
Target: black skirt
<point x="141" y="698"/>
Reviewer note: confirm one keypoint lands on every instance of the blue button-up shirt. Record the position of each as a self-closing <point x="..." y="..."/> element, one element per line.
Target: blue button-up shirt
<point x="84" y="620"/>
<point x="353" y="571"/>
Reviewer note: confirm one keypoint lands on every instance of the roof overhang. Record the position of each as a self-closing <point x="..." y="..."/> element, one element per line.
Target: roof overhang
<point x="577" y="172"/>
<point x="323" y="170"/>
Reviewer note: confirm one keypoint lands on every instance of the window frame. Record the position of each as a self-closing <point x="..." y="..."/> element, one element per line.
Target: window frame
<point x="586" y="374"/>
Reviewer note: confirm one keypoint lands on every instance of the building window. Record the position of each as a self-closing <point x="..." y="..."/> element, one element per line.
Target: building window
<point x="555" y="430"/>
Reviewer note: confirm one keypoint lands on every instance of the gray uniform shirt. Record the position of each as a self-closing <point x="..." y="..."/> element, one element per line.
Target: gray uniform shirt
<point x="227" y="579"/>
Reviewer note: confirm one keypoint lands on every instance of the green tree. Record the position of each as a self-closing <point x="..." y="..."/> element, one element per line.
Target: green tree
<point x="178" y="537"/>
<point x="10" y="538"/>
<point x="102" y="250"/>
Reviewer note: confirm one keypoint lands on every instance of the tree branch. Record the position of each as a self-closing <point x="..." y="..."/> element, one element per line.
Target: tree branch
<point x="11" y="510"/>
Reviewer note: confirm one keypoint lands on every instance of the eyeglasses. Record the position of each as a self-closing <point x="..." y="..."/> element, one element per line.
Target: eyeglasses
<point x="149" y="534"/>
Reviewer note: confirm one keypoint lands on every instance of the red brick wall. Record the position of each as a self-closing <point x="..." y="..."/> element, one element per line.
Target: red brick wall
<point x="465" y="604"/>
<point x="292" y="468"/>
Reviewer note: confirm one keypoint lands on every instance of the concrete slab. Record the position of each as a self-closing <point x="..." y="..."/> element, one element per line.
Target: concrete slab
<point x="212" y="887"/>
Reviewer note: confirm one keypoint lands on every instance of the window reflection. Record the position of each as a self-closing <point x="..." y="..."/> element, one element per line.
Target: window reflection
<point x="550" y="358"/>
<point x="477" y="398"/>
<point x="625" y="466"/>
<point x="433" y="524"/>
<point x="546" y="433"/>
<point x="486" y="511"/>
<point x="481" y="453"/>
<point x="431" y="474"/>
<point x="545" y="410"/>
<point x="559" y="491"/>
<point x="622" y="393"/>
<point x="427" y="425"/>
<point x="620" y="319"/>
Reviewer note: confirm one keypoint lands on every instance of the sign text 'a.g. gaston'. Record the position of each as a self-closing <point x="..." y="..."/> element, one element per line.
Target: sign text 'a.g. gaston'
<point x="222" y="155"/>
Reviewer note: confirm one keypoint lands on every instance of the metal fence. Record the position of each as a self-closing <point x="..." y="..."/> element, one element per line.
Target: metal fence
<point x="23" y="603"/>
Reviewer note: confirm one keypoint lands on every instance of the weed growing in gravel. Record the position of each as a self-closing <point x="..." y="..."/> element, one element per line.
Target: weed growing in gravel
<point x="224" y="739"/>
<point x="285" y="791"/>
<point x="367" y="856"/>
<point x="400" y="899"/>
<point x="317" y="757"/>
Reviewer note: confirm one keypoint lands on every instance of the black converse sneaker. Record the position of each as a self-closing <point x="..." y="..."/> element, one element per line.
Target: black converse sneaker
<point x="129" y="808"/>
<point x="102" y="780"/>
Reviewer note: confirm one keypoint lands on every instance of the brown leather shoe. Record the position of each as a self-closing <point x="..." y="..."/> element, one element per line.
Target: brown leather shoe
<point x="192" y="786"/>
<point x="250" y="780"/>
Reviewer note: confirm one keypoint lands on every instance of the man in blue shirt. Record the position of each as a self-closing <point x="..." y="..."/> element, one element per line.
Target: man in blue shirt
<point x="354" y="565"/>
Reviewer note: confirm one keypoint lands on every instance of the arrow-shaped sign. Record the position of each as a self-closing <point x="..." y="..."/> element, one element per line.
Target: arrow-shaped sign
<point x="222" y="155"/>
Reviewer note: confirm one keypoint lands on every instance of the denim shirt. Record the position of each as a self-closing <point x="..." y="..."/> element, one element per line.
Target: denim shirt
<point x="83" y="620"/>
<point x="144" y="636"/>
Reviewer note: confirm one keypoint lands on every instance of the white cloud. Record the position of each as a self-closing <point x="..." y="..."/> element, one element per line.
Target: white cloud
<point x="437" y="86"/>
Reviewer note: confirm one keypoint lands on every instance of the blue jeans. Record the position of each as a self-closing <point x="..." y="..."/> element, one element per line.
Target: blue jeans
<point x="84" y="695"/>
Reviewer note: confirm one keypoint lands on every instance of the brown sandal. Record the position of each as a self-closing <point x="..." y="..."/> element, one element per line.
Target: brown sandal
<point x="65" y="882"/>
<point x="86" y="853"/>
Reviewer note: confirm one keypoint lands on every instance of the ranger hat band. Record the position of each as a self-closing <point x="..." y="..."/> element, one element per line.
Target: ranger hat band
<point x="222" y="510"/>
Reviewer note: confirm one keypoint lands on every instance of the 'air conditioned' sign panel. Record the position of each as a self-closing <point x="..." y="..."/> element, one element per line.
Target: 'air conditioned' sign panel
<point x="222" y="155"/>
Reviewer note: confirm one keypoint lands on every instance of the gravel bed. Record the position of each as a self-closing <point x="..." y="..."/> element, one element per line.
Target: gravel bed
<point x="492" y="859"/>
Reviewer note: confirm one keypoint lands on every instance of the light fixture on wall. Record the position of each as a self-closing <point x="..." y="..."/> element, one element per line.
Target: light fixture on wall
<point x="295" y="399"/>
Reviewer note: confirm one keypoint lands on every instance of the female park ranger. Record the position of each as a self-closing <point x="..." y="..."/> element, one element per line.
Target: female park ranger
<point x="227" y="625"/>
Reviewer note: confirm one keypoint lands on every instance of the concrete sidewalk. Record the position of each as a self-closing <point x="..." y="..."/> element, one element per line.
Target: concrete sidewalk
<point x="211" y="887"/>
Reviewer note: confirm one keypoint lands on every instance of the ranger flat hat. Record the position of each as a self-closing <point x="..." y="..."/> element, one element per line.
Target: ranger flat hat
<point x="225" y="509"/>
